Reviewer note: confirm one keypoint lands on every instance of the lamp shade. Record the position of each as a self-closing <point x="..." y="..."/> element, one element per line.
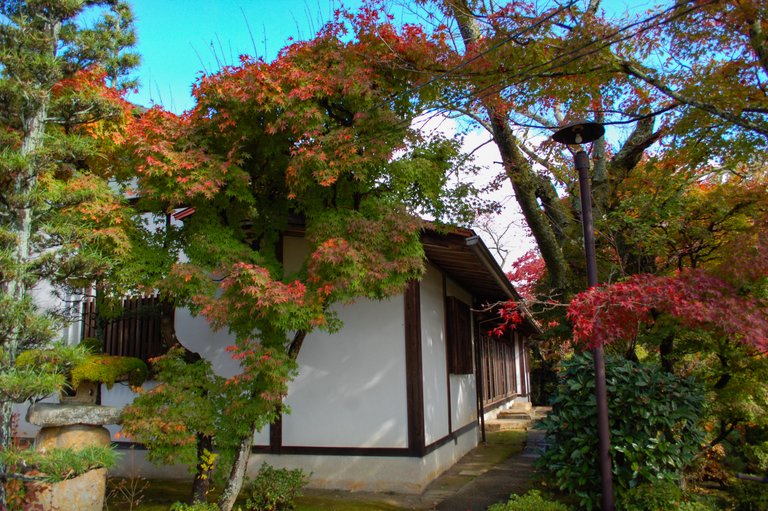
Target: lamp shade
<point x="580" y="132"/>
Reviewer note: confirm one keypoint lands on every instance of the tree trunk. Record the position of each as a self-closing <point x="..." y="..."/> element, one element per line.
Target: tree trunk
<point x="168" y="324"/>
<point x="237" y="474"/>
<point x="296" y="344"/>
<point x="726" y="375"/>
<point x="202" y="482"/>
<point x="519" y="171"/>
<point x="665" y="353"/>
<point x="524" y="184"/>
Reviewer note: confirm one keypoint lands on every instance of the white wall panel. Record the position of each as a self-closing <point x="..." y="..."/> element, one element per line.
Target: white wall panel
<point x="434" y="356"/>
<point x="453" y="289"/>
<point x="196" y="335"/>
<point x="351" y="388"/>
<point x="463" y="400"/>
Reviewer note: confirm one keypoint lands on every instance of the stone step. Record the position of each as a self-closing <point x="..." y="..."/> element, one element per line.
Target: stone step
<point x="531" y="412"/>
<point x="508" y="425"/>
<point x="514" y="419"/>
<point x="514" y="414"/>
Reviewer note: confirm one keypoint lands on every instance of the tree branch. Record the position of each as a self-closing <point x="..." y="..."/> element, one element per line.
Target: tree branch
<point x="296" y="344"/>
<point x="738" y="120"/>
<point x="759" y="42"/>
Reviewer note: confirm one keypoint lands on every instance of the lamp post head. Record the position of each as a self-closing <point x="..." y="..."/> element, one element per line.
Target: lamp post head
<point x="580" y="132"/>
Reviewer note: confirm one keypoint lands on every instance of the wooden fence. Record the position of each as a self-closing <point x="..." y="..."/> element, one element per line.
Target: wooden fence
<point x="135" y="333"/>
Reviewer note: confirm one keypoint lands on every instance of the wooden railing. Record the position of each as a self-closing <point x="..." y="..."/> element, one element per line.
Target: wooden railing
<point x="135" y="333"/>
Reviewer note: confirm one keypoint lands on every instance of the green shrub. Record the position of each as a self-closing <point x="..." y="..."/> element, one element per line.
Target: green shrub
<point x="653" y="421"/>
<point x="693" y="505"/>
<point x="19" y="384"/>
<point x="79" y="364"/>
<point x="200" y="506"/>
<point x="274" y="489"/>
<point x="750" y="495"/>
<point x="92" y="345"/>
<point x="531" y="501"/>
<point x="108" y="369"/>
<point x="660" y="496"/>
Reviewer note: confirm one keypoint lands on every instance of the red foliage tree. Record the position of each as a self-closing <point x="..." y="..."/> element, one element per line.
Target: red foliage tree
<point x="526" y="273"/>
<point x="696" y="298"/>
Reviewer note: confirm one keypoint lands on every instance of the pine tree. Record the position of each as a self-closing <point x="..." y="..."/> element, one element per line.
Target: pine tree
<point x="63" y="65"/>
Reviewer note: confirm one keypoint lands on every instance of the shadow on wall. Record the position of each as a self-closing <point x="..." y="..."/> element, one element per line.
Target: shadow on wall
<point x="351" y="387"/>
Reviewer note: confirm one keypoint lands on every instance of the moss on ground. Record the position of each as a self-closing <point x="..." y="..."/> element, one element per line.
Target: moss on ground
<point x="327" y="504"/>
<point x="500" y="445"/>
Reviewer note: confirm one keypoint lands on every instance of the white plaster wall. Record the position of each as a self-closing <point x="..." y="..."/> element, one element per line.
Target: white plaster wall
<point x="434" y="356"/>
<point x="463" y="400"/>
<point x="518" y="362"/>
<point x="453" y="289"/>
<point x="374" y="473"/>
<point x="44" y="296"/>
<point x="351" y="388"/>
<point x="196" y="335"/>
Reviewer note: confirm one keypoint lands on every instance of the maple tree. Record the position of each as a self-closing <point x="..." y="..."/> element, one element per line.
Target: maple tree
<point x="319" y="144"/>
<point x="192" y="408"/>
<point x="697" y="299"/>
<point x="61" y="224"/>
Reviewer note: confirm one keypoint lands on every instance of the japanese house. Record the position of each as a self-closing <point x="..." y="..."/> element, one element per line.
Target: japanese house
<point x="393" y="399"/>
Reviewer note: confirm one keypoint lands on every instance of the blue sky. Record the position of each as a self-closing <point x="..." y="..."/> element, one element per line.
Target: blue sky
<point x="179" y="38"/>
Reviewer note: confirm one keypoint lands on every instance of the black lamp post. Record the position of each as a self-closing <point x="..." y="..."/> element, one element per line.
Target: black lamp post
<point x="575" y="134"/>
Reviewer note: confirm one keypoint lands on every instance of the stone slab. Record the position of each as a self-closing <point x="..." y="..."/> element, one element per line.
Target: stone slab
<point x="76" y="436"/>
<point x="83" y="493"/>
<point x="56" y="414"/>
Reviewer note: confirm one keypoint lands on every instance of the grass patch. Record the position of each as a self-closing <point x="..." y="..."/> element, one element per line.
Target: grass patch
<point x="331" y="504"/>
<point x="160" y="494"/>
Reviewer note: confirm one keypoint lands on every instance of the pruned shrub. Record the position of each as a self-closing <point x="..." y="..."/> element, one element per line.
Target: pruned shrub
<point x="531" y="501"/>
<point x="750" y="495"/>
<point x="198" y="506"/>
<point x="54" y="465"/>
<point x="274" y="489"/>
<point x="108" y="369"/>
<point x="661" y="496"/>
<point x="654" y="424"/>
